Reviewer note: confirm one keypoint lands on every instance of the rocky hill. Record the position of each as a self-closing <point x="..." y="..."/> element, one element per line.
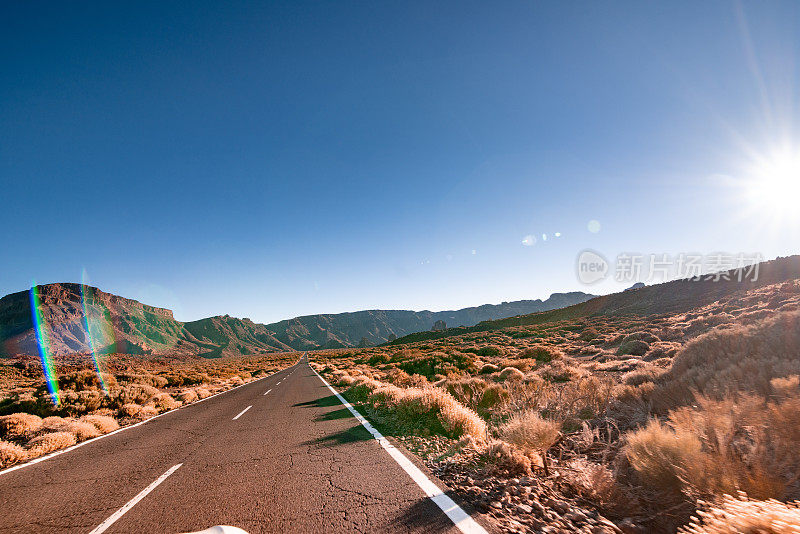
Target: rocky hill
<point x="113" y="324"/>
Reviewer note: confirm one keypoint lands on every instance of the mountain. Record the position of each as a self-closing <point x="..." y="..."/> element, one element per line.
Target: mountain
<point x="677" y="296"/>
<point x="79" y="319"/>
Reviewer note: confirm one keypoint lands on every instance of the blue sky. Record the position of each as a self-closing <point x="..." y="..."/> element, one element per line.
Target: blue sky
<point x="276" y="159"/>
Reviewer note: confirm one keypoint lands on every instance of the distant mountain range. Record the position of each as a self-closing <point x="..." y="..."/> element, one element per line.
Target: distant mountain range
<point x="114" y="324"/>
<point x="676" y="296"/>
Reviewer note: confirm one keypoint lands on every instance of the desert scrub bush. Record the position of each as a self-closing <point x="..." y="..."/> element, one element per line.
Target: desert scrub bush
<point x="541" y="353"/>
<point x="739" y="443"/>
<point x="489" y="368"/>
<point x="559" y="371"/>
<point x="734" y="515"/>
<point x="361" y="388"/>
<point x="187" y="396"/>
<point x="660" y="454"/>
<point x="642" y="375"/>
<point x="103" y="423"/>
<point x="10" y="454"/>
<point x="131" y="393"/>
<point x="598" y="484"/>
<point x="48" y="443"/>
<point x="723" y="361"/>
<point x="507" y="459"/>
<point x="163" y="402"/>
<point x="589" y="334"/>
<point x="530" y="432"/>
<point x="19" y="425"/>
<point x="489" y="350"/>
<point x="431" y="409"/>
<point x="511" y="373"/>
<point x="633" y="347"/>
<point x="477" y="394"/>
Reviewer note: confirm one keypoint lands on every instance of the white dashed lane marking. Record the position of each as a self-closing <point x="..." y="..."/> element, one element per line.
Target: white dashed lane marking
<point x="242" y="412"/>
<point x="102" y="527"/>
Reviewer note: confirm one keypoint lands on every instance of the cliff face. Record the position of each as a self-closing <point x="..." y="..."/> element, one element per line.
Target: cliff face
<point x="120" y="325"/>
<point x="113" y="320"/>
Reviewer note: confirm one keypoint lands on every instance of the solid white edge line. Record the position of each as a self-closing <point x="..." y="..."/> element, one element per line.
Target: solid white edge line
<point x="128" y="427"/>
<point x="457" y="515"/>
<point x="102" y="527"/>
<point x="242" y="412"/>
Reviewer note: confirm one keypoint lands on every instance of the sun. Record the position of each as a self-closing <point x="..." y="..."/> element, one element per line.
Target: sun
<point x="773" y="185"/>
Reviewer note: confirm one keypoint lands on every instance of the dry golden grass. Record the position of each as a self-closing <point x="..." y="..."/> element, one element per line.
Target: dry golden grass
<point x="740" y="359"/>
<point x="103" y="423"/>
<point x="742" y="443"/>
<point x="10" y="454"/>
<point x="19" y="425"/>
<point x="47" y="443"/>
<point x="530" y="432"/>
<point x="740" y="515"/>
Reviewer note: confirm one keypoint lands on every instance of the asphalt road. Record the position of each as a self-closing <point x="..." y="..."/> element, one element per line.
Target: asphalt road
<point x="281" y="454"/>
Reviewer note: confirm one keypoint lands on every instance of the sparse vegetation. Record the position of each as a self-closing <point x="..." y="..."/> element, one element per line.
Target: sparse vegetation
<point x="631" y="414"/>
<point x="137" y="389"/>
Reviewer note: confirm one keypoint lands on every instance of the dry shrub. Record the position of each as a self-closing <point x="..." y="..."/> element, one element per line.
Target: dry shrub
<point x="360" y="388"/>
<point x="137" y="411"/>
<point x="163" y="402"/>
<point x="559" y="371"/>
<point x="660" y="454"/>
<point x="129" y="409"/>
<point x="81" y="429"/>
<point x="641" y="375"/>
<point x="505" y="458"/>
<point x="740" y="443"/>
<point x="529" y="431"/>
<point x="596" y="483"/>
<point x="10" y="454"/>
<point x="429" y="408"/>
<point x="489" y="368"/>
<point x="630" y="405"/>
<point x="736" y="515"/>
<point x="188" y="396"/>
<point x="541" y="353"/>
<point x="523" y="364"/>
<point x="202" y="393"/>
<point x="511" y="373"/>
<point x="744" y="358"/>
<point x="48" y="443"/>
<point x="477" y="393"/>
<point x="133" y="393"/>
<point x="102" y="423"/>
<point x="19" y="425"/>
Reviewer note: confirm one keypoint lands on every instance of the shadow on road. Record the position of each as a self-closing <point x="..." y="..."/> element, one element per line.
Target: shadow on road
<point x="322" y="402"/>
<point x="425" y="515"/>
<point x="356" y="433"/>
<point x="343" y="413"/>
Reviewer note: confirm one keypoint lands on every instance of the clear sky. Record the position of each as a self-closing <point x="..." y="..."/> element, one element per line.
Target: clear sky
<point x="269" y="160"/>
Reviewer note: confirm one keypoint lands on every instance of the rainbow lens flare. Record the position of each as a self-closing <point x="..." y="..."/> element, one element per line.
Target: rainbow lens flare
<point x="97" y="322"/>
<point x="43" y="340"/>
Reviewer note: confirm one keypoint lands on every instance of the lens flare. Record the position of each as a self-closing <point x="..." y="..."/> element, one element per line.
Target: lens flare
<point x="43" y="340"/>
<point x="97" y="323"/>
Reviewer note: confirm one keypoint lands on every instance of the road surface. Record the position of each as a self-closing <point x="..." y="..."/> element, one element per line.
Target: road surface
<point x="280" y="454"/>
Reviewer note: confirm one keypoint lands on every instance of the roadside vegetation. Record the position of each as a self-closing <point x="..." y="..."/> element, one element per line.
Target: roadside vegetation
<point x="132" y="389"/>
<point x="604" y="424"/>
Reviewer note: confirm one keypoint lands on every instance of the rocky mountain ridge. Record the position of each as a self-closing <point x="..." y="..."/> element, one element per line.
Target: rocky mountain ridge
<point x="80" y="319"/>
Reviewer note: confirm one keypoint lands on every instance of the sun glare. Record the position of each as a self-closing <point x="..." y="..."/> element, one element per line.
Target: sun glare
<point x="774" y="185"/>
